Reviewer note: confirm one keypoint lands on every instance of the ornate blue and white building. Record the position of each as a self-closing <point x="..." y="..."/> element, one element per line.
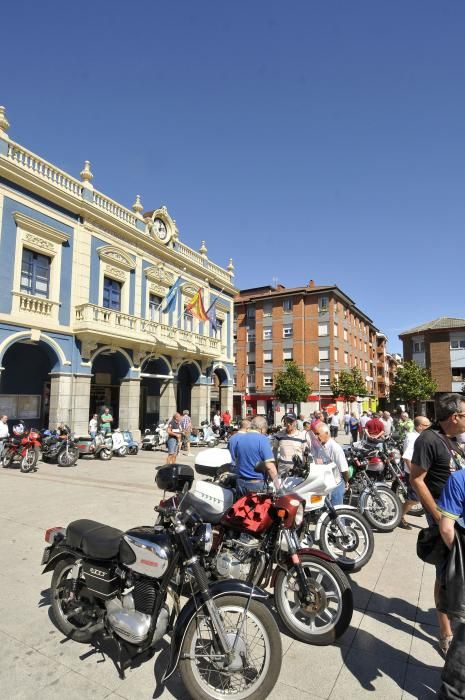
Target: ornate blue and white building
<point x="83" y="282"/>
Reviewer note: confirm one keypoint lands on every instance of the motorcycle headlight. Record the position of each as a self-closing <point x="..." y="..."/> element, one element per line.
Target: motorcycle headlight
<point x="299" y="516"/>
<point x="204" y="537"/>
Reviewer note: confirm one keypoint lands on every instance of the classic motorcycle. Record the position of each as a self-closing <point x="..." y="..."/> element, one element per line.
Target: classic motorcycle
<point x="23" y="447"/>
<point x="59" y="449"/>
<point x="394" y="472"/>
<point x="376" y="500"/>
<point x="118" y="584"/>
<point x="256" y="540"/>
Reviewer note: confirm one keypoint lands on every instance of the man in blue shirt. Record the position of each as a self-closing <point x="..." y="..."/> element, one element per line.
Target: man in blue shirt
<point x="248" y="449"/>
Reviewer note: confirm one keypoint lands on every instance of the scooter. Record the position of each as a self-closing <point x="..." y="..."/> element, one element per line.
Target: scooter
<point x="156" y="436"/>
<point x="119" y="447"/>
<point x="100" y="446"/>
<point x="132" y="445"/>
<point x="204" y="436"/>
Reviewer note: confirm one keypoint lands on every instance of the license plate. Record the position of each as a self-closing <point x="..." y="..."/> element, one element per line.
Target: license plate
<point x="46" y="555"/>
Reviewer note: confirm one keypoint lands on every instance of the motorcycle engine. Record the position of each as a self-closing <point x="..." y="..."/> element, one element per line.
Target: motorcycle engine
<point x="130" y="615"/>
<point x="234" y="558"/>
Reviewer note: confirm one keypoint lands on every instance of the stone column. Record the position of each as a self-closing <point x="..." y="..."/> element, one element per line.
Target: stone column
<point x="200" y="403"/>
<point x="167" y="399"/>
<point x="61" y="395"/>
<point x="227" y="398"/>
<point x="81" y="404"/>
<point x="129" y="406"/>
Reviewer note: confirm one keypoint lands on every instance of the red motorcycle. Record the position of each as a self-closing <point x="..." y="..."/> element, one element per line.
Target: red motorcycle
<point x="255" y="540"/>
<point x="23" y="447"/>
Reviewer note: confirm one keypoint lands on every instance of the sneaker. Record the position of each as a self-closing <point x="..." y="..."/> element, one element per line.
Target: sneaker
<point x="404" y="525"/>
<point x="444" y="644"/>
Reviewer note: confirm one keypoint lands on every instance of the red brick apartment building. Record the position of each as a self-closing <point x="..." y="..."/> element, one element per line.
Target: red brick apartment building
<point x="317" y="326"/>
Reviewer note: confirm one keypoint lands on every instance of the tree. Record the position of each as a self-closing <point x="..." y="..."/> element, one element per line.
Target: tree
<point x="290" y="385"/>
<point x="413" y="383"/>
<point x="349" y="384"/>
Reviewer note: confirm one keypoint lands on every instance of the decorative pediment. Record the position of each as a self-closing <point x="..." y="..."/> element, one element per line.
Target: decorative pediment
<point x="159" y="274"/>
<point x="116" y="256"/>
<point x="43" y="235"/>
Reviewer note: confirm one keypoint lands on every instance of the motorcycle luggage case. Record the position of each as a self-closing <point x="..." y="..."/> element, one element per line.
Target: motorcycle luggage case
<point x="209" y="461"/>
<point x="172" y="477"/>
<point x="100" y="579"/>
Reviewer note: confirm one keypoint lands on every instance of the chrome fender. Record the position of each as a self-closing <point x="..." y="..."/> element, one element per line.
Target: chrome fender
<point x="217" y="590"/>
<point x="325" y="516"/>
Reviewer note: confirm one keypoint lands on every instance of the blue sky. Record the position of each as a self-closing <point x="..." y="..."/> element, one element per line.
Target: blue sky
<point x="306" y="139"/>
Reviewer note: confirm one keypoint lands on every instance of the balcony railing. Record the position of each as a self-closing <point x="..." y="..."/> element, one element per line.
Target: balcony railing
<point x="98" y="320"/>
<point x="35" y="305"/>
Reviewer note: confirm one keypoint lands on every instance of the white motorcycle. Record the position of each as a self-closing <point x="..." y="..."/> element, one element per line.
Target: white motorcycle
<point x="155" y="437"/>
<point x="119" y="446"/>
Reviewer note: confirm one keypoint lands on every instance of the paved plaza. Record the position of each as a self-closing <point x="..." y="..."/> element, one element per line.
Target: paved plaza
<point x="388" y="652"/>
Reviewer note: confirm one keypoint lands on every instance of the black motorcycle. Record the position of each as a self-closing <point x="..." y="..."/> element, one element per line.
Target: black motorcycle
<point x="59" y="448"/>
<point x="118" y="584"/>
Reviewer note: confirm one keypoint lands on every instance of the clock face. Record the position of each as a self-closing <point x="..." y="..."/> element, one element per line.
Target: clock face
<point x="160" y="229"/>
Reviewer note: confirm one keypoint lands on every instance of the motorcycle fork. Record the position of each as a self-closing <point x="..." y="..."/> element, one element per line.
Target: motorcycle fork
<point x="335" y="517"/>
<point x="293" y="547"/>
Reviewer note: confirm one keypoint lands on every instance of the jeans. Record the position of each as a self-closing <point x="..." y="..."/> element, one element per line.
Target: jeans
<point x="333" y="429"/>
<point x="337" y="496"/>
<point x="245" y="486"/>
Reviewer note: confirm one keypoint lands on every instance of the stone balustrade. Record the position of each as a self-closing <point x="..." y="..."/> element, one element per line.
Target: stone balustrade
<point x="90" y="317"/>
<point x="44" y="170"/>
<point x="35" y="305"/>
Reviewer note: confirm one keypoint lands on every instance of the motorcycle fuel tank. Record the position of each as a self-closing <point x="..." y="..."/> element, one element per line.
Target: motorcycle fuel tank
<point x="146" y="550"/>
<point x="250" y="513"/>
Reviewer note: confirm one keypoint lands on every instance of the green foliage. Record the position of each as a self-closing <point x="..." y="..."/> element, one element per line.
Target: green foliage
<point x="290" y="385"/>
<point x="413" y="383"/>
<point x="349" y="384"/>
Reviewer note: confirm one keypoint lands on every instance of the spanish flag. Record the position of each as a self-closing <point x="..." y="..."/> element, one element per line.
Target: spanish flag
<point x="196" y="307"/>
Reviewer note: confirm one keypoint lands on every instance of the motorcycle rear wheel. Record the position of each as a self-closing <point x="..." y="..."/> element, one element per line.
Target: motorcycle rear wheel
<point x="330" y="613"/>
<point x="387" y="517"/>
<point x="105" y="454"/>
<point x="68" y="458"/>
<point x="29" y="461"/>
<point x="73" y="626"/>
<point x="353" y="551"/>
<point x="416" y="510"/>
<point x="258" y="657"/>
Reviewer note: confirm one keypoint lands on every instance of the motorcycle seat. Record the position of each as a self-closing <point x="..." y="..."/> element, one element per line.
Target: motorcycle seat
<point x="93" y="538"/>
<point x="204" y="510"/>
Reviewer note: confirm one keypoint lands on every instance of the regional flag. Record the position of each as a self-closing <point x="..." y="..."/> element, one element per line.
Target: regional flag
<point x="170" y="299"/>
<point x="211" y="315"/>
<point x="196" y="307"/>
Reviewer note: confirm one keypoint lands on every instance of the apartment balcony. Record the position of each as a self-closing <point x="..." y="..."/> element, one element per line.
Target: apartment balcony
<point x="106" y="325"/>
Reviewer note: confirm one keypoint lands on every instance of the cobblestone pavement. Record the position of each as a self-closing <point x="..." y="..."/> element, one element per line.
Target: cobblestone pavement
<point x="388" y="652"/>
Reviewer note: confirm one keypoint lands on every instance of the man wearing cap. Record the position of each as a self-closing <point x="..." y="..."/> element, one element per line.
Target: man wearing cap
<point x="288" y="442"/>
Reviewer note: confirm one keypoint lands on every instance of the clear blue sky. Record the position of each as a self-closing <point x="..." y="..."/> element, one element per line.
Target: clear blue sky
<point x="316" y="139"/>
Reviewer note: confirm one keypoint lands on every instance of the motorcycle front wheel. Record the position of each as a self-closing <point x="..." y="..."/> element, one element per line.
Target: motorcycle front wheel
<point x="352" y="550"/>
<point x="7" y="458"/>
<point x="255" y="667"/>
<point x="416" y="510"/>
<point x="105" y="454"/>
<point x="329" y="613"/>
<point x="68" y="458"/>
<point x="29" y="461"/>
<point x="382" y="509"/>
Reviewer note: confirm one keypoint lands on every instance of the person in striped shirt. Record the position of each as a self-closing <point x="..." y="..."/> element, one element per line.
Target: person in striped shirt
<point x="288" y="442"/>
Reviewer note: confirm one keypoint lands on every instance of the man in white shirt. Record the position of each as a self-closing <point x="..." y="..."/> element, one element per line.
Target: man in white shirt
<point x="217" y="421"/>
<point x="420" y="423"/>
<point x="364" y="418"/>
<point x="387" y="421"/>
<point x="4" y="432"/>
<point x="336" y="454"/>
<point x="334" y="424"/>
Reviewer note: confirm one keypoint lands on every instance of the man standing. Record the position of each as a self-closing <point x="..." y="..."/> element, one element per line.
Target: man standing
<point x="347" y="422"/>
<point x="436" y="454"/>
<point x="248" y="449"/>
<point x="245" y="425"/>
<point x="387" y="422"/>
<point x="226" y="419"/>
<point x="404" y="425"/>
<point x="374" y="430"/>
<point x="288" y="442"/>
<point x="93" y="425"/>
<point x="106" y="419"/>
<point x="217" y="421"/>
<point x="420" y="424"/>
<point x="174" y="438"/>
<point x="334" y="424"/>
<point x="4" y="432"/>
<point x="336" y="454"/>
<point x="186" y="429"/>
<point x="364" y="418"/>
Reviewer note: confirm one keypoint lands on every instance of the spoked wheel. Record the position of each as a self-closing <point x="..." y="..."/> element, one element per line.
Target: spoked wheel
<point x="29" y="461"/>
<point x="382" y="509"/>
<point x="328" y="614"/>
<point x="416" y="509"/>
<point x="7" y="458"/>
<point x="353" y="549"/>
<point x="255" y="666"/>
<point x="69" y="457"/>
<point x="72" y="612"/>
